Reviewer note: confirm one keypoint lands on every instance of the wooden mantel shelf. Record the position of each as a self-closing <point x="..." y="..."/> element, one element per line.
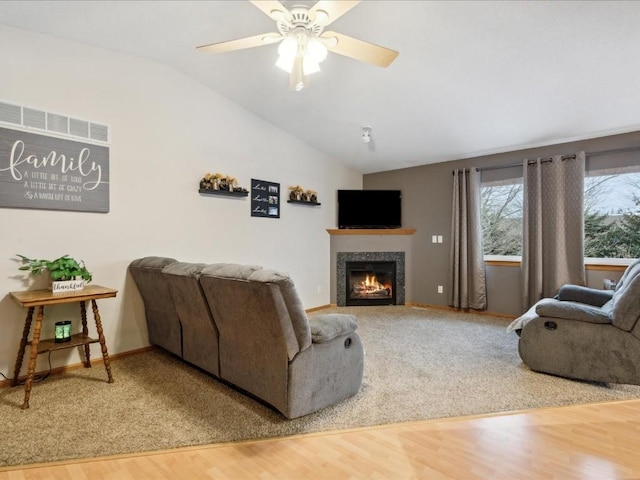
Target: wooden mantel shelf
<point x="371" y="231"/>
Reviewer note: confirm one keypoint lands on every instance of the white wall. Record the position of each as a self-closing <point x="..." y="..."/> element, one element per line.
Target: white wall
<point x="166" y="132"/>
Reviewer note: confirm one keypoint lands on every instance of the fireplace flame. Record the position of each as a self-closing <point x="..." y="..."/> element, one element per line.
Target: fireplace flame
<point x="371" y="286"/>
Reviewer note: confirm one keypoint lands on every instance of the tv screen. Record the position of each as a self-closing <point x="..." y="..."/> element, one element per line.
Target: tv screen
<point x="369" y="208"/>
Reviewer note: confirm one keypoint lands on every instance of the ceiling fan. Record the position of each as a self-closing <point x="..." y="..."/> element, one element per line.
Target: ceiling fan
<point x="303" y="41"/>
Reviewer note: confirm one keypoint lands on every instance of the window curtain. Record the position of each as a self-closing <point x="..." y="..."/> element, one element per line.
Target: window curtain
<point x="467" y="276"/>
<point x="553" y="226"/>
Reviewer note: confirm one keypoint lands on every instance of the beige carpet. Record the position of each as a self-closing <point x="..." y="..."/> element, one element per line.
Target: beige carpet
<point x="419" y="364"/>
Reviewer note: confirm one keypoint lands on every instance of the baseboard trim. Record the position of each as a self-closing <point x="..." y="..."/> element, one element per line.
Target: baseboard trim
<point x="76" y="366"/>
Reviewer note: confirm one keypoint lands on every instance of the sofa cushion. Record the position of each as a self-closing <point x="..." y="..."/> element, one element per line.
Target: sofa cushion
<point x="295" y="308"/>
<point x="271" y="276"/>
<point x="230" y="270"/>
<point x="626" y="303"/>
<point x="590" y="296"/>
<point x="326" y="327"/>
<point x="550" y="307"/>
<point x="631" y="271"/>
<point x="152" y="262"/>
<point x="183" y="268"/>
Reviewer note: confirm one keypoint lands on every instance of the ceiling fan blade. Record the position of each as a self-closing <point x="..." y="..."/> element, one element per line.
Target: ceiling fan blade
<point x="359" y="50"/>
<point x="241" y="43"/>
<point x="333" y="8"/>
<point x="271" y="6"/>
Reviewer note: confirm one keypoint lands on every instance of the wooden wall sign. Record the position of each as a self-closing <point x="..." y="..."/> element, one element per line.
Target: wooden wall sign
<point x="48" y="173"/>
<point x="265" y="199"/>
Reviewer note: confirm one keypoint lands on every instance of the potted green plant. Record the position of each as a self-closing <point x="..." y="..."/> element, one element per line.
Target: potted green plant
<point x="64" y="272"/>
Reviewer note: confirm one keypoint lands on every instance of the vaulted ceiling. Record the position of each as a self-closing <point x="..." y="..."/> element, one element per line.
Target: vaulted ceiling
<point x="471" y="78"/>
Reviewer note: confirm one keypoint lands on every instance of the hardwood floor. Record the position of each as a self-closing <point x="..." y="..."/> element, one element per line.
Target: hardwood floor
<point x="598" y="441"/>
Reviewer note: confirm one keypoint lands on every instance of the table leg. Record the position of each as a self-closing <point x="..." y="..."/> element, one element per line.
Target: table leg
<point x="85" y="333"/>
<point x="23" y="345"/>
<point x="33" y="355"/>
<point x="101" y="339"/>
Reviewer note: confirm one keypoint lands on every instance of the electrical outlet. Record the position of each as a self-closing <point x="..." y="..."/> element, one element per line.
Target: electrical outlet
<point x="319" y="288"/>
<point x="434" y="239"/>
<point x="440" y="289"/>
<point x="439" y="238"/>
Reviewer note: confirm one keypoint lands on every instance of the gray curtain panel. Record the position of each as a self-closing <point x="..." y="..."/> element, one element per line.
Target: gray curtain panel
<point x="553" y="226"/>
<point x="467" y="275"/>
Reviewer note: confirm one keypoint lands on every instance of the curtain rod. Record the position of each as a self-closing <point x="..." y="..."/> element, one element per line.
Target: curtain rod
<point x="530" y="162"/>
<point x="566" y="157"/>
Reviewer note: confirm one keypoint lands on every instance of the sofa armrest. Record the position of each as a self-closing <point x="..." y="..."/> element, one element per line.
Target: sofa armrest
<point x="550" y="307"/>
<point x="326" y="327"/>
<point x="589" y="296"/>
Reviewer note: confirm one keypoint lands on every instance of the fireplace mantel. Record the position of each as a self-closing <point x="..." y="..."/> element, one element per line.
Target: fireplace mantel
<point x="371" y="231"/>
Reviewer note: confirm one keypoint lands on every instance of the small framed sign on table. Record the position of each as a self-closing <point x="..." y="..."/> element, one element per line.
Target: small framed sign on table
<point x="265" y="199"/>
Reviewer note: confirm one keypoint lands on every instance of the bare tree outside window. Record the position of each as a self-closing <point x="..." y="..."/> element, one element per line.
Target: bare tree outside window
<point x="501" y="210"/>
<point x="611" y="217"/>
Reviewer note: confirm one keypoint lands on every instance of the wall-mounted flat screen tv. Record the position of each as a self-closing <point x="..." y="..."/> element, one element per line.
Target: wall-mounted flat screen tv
<point x="369" y="208"/>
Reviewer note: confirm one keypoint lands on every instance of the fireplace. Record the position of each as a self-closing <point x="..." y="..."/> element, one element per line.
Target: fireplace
<point x="370" y="283"/>
<point x="370" y="278"/>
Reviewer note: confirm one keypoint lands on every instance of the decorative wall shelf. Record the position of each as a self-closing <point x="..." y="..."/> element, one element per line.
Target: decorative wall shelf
<point x="302" y="202"/>
<point x="371" y="231"/>
<point x="226" y="193"/>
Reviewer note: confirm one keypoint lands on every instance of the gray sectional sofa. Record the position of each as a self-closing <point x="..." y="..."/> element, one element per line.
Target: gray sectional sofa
<point x="247" y="326"/>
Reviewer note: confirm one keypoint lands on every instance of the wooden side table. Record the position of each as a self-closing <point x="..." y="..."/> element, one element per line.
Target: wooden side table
<point x="31" y="299"/>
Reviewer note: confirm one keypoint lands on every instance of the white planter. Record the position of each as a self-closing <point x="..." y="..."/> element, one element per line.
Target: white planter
<point x="66" y="286"/>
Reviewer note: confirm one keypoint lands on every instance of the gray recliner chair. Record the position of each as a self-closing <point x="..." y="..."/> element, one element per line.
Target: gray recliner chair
<point x="584" y="333"/>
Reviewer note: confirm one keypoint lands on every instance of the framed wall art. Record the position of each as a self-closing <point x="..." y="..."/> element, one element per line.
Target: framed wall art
<point x="265" y="199"/>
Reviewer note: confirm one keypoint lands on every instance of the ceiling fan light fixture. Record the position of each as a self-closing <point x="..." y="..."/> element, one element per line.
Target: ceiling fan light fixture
<point x="309" y="66"/>
<point x="300" y="52"/>
<point x="315" y="51"/>
<point x="287" y="51"/>
<point x="303" y="42"/>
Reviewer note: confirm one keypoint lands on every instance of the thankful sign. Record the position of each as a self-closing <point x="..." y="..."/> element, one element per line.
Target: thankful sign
<point x="42" y="172"/>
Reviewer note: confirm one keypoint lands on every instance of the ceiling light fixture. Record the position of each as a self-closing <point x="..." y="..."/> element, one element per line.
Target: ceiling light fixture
<point x="366" y="134"/>
<point x="300" y="55"/>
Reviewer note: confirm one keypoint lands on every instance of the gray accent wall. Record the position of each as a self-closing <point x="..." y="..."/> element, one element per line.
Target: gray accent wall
<point x="426" y="206"/>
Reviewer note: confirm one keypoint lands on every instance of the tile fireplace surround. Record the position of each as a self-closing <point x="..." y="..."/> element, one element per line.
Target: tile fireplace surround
<point x="341" y="274"/>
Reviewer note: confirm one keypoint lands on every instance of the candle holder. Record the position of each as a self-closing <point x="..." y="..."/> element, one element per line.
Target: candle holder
<point x="63" y="332"/>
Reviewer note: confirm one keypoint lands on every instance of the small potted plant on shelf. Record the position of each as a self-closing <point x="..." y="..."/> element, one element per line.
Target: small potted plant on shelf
<point x="210" y="181"/>
<point x="231" y="183"/>
<point x="296" y="192"/>
<point x="64" y="272"/>
<point x="312" y="196"/>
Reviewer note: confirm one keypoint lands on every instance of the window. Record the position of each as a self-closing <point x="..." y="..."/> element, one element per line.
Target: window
<point x="501" y="216"/>
<point x="612" y="215"/>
